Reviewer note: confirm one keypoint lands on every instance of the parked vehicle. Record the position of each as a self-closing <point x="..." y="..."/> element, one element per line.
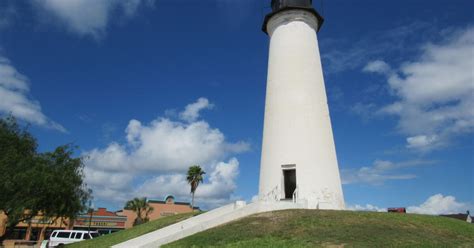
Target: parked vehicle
<point x="59" y="238"/>
<point x="397" y="210"/>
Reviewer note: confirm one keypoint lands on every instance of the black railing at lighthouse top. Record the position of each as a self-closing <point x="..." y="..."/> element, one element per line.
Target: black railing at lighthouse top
<point x="282" y="5"/>
<point x="279" y="4"/>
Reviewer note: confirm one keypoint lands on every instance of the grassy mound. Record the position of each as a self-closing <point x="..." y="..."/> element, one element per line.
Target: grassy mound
<point x="316" y="228"/>
<point x="121" y="236"/>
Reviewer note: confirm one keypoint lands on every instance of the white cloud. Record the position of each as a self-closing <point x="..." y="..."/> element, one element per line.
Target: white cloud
<point x="377" y="66"/>
<point x="217" y="190"/>
<point x="89" y="17"/>
<point x="380" y="171"/>
<point x="340" y="54"/>
<point x="421" y="141"/>
<point x="155" y="157"/>
<point x="191" y="112"/>
<point x="435" y="94"/>
<point x="434" y="205"/>
<point x="163" y="146"/>
<point x="109" y="186"/>
<point x="221" y="180"/>
<point x="113" y="158"/>
<point x="14" y="97"/>
<point x="439" y="204"/>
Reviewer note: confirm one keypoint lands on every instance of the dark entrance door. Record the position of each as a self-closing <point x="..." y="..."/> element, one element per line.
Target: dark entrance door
<point x="290" y="183"/>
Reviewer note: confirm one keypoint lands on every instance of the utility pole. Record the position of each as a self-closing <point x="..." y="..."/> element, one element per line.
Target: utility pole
<point x="91" y="210"/>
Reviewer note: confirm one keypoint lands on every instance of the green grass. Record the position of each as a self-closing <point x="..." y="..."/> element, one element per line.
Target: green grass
<point x="316" y="228"/>
<point x="121" y="236"/>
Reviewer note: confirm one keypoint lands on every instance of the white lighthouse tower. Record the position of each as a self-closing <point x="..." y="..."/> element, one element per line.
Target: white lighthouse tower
<point x="299" y="165"/>
<point x="298" y="160"/>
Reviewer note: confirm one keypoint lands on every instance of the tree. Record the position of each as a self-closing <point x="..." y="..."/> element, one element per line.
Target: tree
<point x="31" y="183"/>
<point x="17" y="154"/>
<point x="194" y="177"/>
<point x="141" y="208"/>
<point x="68" y="194"/>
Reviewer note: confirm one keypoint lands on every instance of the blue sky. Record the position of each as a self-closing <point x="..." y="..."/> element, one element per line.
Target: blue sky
<point x="147" y="87"/>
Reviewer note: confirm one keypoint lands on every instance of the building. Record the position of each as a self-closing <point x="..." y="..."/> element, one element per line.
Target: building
<point x="161" y="208"/>
<point x="36" y="229"/>
<point x="100" y="220"/>
<point x="103" y="221"/>
<point x="39" y="228"/>
<point x="298" y="159"/>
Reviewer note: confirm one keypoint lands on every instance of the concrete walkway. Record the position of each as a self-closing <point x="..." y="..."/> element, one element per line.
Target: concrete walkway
<point x="206" y="221"/>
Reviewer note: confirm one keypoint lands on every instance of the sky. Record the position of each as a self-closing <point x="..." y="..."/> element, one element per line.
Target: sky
<point x="146" y="88"/>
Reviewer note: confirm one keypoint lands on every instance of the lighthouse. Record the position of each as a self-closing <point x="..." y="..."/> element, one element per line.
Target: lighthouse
<point x="298" y="161"/>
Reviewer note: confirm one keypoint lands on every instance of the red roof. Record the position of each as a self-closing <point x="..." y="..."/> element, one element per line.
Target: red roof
<point x="104" y="212"/>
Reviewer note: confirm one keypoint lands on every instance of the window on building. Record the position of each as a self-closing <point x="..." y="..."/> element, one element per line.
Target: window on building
<point x="18" y="233"/>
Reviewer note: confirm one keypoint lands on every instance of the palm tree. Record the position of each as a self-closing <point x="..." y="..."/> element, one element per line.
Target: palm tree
<point x="195" y="176"/>
<point x="141" y="208"/>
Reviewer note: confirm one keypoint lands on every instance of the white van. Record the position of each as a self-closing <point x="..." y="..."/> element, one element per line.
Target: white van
<point x="59" y="238"/>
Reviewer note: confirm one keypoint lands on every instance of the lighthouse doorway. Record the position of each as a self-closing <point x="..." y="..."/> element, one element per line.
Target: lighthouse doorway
<point x="289" y="180"/>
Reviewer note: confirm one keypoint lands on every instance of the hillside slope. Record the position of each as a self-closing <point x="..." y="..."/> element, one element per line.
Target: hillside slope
<point x="316" y="228"/>
<point x="124" y="235"/>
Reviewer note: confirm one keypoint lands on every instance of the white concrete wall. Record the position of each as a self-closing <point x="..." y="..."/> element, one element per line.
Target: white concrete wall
<point x="297" y="127"/>
<point x="203" y="222"/>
